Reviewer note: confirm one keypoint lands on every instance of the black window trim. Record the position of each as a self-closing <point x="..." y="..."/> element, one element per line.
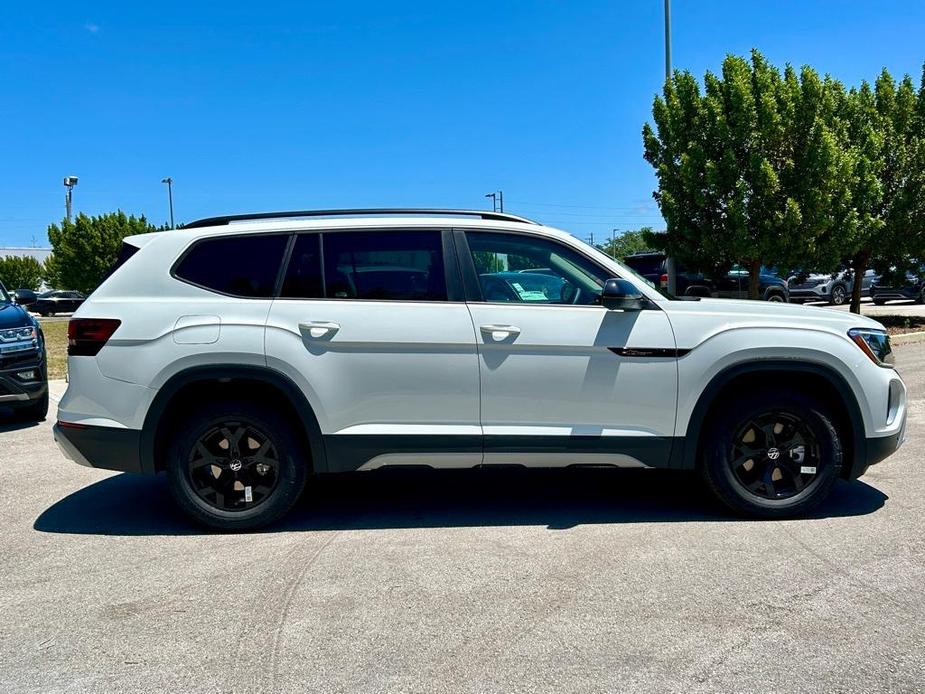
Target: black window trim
<point x="189" y="249"/>
<point x="470" y="276"/>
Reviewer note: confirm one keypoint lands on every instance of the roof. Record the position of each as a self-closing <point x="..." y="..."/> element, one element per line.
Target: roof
<point x="40" y="254"/>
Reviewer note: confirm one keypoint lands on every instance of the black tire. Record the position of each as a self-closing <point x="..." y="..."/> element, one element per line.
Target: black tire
<point x="190" y="479"/>
<point x="839" y="295"/>
<point x="921" y="297"/>
<point x="776" y="297"/>
<point x="879" y="302"/>
<point x="793" y="493"/>
<point x="36" y="412"/>
<point x="43" y="314"/>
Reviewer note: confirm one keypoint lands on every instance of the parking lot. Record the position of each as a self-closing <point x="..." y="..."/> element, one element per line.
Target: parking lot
<point x="478" y="581"/>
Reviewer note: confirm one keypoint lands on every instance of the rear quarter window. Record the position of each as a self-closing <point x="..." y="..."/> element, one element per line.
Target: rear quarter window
<point x="245" y="266"/>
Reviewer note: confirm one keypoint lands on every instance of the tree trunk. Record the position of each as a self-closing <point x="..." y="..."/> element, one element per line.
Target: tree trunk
<point x="859" y="263"/>
<point x="754" y="279"/>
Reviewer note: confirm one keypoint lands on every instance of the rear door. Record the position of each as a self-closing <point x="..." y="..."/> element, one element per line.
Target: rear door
<point x="564" y="380"/>
<point x="373" y="327"/>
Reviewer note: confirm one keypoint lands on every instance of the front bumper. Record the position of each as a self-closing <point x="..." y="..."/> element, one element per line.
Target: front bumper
<point x="819" y="293"/>
<point x="16" y="391"/>
<point x="107" y="448"/>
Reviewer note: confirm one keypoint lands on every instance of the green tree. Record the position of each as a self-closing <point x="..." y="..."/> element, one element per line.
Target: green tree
<point x="86" y="248"/>
<point x="751" y="170"/>
<point x="20" y="272"/>
<point x="628" y="242"/>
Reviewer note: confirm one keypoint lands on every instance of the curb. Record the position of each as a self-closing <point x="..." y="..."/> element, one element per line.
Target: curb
<point x="907" y="338"/>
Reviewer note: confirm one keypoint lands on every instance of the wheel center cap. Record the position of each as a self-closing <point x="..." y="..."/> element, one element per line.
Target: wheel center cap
<point x="236" y="465"/>
<point x="773" y="454"/>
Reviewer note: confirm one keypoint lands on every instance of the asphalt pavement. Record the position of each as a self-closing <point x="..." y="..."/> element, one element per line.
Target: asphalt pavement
<point x="476" y="581"/>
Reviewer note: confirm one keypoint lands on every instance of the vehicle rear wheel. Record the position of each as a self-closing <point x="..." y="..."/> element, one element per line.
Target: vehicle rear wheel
<point x="235" y="466"/>
<point x="839" y="295"/>
<point x="772" y="455"/>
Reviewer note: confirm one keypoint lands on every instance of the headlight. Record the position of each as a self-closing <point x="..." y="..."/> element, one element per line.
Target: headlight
<point x="18" y="339"/>
<point x="875" y="344"/>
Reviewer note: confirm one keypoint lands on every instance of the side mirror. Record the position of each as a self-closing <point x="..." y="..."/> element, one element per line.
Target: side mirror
<point x="25" y="297"/>
<point x="619" y="294"/>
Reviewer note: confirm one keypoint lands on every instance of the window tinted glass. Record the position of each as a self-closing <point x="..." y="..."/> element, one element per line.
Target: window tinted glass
<point x="238" y="265"/>
<point x="390" y="265"/>
<point x="303" y="276"/>
<point x="516" y="268"/>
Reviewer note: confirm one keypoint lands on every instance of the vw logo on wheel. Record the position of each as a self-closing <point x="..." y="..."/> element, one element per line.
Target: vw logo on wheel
<point x="773" y="453"/>
<point x="235" y="465"/>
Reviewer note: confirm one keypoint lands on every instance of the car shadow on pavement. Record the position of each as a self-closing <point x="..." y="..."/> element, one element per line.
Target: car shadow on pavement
<point x="558" y="499"/>
<point x="8" y="422"/>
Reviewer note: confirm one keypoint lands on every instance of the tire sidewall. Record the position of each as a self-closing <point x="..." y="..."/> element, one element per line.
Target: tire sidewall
<point x="721" y="477"/>
<point x="292" y="467"/>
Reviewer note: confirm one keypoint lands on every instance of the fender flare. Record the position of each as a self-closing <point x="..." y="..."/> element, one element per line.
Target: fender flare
<point x="687" y="456"/>
<point x="214" y="372"/>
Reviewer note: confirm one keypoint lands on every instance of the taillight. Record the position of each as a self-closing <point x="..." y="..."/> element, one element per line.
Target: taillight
<point x="663" y="281"/>
<point x="86" y="336"/>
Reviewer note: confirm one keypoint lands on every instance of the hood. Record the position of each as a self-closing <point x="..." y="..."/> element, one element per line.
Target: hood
<point x="14" y="316"/>
<point x="770" y="312"/>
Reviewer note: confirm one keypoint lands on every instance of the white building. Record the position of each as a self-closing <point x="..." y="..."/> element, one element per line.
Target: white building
<point x="40" y="254"/>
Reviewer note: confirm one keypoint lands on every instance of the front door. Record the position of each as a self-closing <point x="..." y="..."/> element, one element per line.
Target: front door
<point x="563" y="380"/>
<point x="382" y="348"/>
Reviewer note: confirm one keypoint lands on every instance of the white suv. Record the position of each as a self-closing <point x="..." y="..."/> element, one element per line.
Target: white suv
<point x="241" y="355"/>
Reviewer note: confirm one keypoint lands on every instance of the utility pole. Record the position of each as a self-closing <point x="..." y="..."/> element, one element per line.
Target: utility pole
<point x="501" y="200"/>
<point x="670" y="266"/>
<point x="494" y="201"/>
<point x="169" y="182"/>
<point x="591" y="238"/>
<point x="613" y="243"/>
<point x="69" y="183"/>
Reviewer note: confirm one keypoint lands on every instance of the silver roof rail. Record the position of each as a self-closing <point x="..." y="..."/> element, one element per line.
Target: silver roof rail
<point x="295" y="214"/>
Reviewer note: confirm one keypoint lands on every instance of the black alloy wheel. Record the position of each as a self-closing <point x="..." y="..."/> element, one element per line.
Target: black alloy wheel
<point x="233" y="466"/>
<point x="775" y="456"/>
<point x="236" y="465"/>
<point x="772" y="453"/>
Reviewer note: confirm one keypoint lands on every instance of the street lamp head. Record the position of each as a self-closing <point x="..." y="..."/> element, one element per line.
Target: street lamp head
<point x="70" y="181"/>
<point x="167" y="180"/>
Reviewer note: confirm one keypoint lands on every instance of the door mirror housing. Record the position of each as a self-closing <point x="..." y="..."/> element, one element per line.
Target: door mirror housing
<point x="622" y="295"/>
<point x="25" y="297"/>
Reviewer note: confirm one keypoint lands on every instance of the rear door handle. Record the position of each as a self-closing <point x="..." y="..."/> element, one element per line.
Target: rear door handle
<point x="319" y="328"/>
<point x="498" y="333"/>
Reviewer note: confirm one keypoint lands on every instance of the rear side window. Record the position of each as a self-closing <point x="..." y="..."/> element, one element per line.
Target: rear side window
<point x="245" y="266"/>
<point x="384" y="265"/>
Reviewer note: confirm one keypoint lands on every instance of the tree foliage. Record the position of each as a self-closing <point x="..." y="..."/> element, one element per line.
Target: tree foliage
<point x="20" y="272"/>
<point x="627" y="243"/>
<point x="87" y="247"/>
<point x="791" y="169"/>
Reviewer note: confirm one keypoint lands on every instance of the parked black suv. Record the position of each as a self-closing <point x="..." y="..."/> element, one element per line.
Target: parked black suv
<point x="23" y="368"/>
<point x="912" y="289"/>
<point x="731" y="285"/>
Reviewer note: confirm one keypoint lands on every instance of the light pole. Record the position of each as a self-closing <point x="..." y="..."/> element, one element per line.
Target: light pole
<point x="169" y="182"/>
<point x="613" y="243"/>
<point x="670" y="266"/>
<point x="69" y="183"/>
<point x="497" y="201"/>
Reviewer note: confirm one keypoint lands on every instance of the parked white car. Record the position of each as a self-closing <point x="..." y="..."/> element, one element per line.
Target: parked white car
<point x="834" y="288"/>
<point x="241" y="355"/>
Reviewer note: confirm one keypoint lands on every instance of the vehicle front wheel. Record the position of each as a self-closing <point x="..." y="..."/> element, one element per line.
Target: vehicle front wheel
<point x="35" y="412"/>
<point x="776" y="297"/>
<point x="772" y="455"/>
<point x="839" y="295"/>
<point x="236" y="466"/>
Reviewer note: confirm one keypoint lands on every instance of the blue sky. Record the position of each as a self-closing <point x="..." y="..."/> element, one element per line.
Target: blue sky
<point x="279" y="105"/>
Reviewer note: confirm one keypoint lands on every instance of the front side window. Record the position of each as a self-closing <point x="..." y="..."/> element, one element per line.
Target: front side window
<point x="245" y="266"/>
<point x="515" y="268"/>
<point x="384" y="265"/>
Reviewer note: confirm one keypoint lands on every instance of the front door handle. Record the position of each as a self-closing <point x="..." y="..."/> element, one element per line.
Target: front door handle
<point x="499" y="333"/>
<point x="319" y="328"/>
